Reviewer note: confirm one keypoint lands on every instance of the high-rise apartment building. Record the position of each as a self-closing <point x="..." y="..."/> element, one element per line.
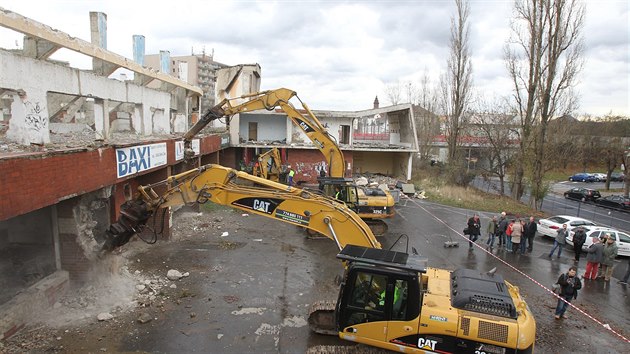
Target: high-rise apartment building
<point x="196" y="69"/>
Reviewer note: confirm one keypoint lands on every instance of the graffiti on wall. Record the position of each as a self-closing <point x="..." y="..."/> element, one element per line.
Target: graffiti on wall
<point x="35" y="118"/>
<point x="310" y="171"/>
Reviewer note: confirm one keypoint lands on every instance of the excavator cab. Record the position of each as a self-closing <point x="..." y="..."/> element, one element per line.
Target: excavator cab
<point x="345" y="190"/>
<point x="342" y="189"/>
<point x="380" y="294"/>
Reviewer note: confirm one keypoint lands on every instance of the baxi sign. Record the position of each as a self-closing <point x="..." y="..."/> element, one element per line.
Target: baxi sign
<point x="139" y="158"/>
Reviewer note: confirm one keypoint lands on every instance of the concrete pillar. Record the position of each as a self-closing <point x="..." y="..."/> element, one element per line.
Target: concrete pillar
<point x="165" y="61"/>
<point x="98" y="32"/>
<point x="138" y="49"/>
<point x="409" y="165"/>
<point x="29" y="122"/>
<point x="98" y="29"/>
<point x="101" y="119"/>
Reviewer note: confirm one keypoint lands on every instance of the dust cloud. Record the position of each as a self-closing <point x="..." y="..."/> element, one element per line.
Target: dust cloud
<point x="109" y="288"/>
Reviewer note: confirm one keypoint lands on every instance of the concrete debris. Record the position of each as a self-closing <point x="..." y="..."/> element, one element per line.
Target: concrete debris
<point x="141" y="287"/>
<point x="173" y="274"/>
<point x="361" y="181"/>
<point x="219" y="336"/>
<point x="173" y="286"/>
<point x="68" y="136"/>
<point x="250" y="310"/>
<point x="364" y="179"/>
<point x="104" y="316"/>
<point x="294" y="321"/>
<point x="225" y="234"/>
<point x="145" y="318"/>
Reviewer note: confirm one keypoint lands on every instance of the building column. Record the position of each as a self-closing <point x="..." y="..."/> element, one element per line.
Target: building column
<point x="409" y="165"/>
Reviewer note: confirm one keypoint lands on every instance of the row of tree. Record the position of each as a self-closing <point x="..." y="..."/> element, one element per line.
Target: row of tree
<point x="543" y="57"/>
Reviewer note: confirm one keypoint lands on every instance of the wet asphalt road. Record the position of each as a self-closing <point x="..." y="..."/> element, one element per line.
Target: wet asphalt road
<point x="250" y="292"/>
<point x="607" y="303"/>
<point x="555" y="203"/>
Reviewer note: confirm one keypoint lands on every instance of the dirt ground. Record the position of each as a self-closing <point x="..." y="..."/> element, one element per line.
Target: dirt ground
<point x="237" y="284"/>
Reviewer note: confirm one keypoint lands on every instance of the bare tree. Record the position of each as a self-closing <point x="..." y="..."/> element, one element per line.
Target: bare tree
<point x="543" y="61"/>
<point x="456" y="83"/>
<point x="427" y="93"/>
<point x="498" y="128"/>
<point x="428" y="125"/>
<point x="393" y="92"/>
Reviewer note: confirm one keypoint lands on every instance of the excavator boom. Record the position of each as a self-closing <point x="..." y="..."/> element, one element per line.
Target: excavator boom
<point x="268" y="165"/>
<point x="270" y="100"/>
<point x="240" y="190"/>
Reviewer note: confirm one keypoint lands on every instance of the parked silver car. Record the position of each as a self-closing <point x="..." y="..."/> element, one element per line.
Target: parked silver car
<point x="622" y="238"/>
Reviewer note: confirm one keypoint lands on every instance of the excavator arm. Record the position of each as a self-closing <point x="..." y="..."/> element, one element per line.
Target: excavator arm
<point x="240" y="190"/>
<point x="269" y="165"/>
<point x="270" y="100"/>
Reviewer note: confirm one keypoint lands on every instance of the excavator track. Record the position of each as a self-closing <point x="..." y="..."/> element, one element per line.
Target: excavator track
<point x="321" y="317"/>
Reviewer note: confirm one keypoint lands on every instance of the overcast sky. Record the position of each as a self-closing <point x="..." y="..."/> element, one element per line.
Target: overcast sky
<point x="339" y="55"/>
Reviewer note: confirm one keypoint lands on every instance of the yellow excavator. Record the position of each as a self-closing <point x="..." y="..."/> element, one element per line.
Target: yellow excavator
<point x="371" y="204"/>
<point x="268" y="165"/>
<point x="387" y="299"/>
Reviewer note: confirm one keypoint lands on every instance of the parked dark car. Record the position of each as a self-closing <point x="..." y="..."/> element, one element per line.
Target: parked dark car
<point x="617" y="177"/>
<point x="582" y="177"/>
<point x="618" y="202"/>
<point x="583" y="194"/>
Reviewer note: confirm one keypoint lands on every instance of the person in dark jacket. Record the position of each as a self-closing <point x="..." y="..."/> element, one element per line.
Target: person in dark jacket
<point x="492" y="231"/>
<point x="569" y="285"/>
<point x="579" y="237"/>
<point x="474" y="230"/>
<point x="501" y="228"/>
<point x="530" y="232"/>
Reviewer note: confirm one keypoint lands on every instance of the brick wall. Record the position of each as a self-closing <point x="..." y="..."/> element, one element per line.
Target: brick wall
<point x="308" y="163"/>
<point x="35" y="180"/>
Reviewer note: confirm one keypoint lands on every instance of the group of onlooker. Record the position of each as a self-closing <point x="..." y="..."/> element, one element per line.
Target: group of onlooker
<point x="600" y="260"/>
<point x="517" y="236"/>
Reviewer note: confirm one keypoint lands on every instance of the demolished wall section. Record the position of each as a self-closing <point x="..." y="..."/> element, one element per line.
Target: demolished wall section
<point x="32" y="102"/>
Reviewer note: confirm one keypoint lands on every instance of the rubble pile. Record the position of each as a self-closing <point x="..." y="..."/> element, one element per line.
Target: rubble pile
<point x="374" y="180"/>
<point x="85" y="139"/>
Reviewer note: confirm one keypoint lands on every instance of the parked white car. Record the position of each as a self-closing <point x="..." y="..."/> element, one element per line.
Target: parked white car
<point x="622" y="238"/>
<point x="600" y="177"/>
<point x="549" y="227"/>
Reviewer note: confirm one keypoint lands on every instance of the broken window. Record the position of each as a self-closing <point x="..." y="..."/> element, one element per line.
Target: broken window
<point x="344" y="137"/>
<point x="253" y="131"/>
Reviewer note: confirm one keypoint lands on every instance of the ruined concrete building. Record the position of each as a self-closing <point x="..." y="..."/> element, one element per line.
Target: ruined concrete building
<point x="75" y="144"/>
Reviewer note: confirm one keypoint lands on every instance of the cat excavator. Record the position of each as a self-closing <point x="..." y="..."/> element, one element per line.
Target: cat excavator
<point x="268" y="165"/>
<point x="387" y="299"/>
<point x="371" y="204"/>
